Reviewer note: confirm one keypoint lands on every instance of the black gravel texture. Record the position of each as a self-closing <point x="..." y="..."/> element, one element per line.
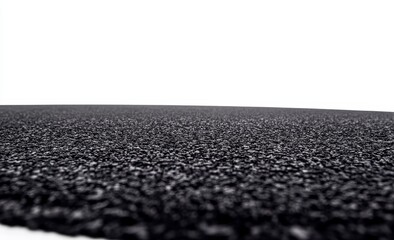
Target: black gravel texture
<point x="166" y="172"/>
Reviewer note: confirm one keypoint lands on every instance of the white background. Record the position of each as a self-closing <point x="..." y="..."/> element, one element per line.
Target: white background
<point x="334" y="54"/>
<point x="308" y="54"/>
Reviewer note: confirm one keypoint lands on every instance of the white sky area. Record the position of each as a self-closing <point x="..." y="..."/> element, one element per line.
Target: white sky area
<point x="309" y="54"/>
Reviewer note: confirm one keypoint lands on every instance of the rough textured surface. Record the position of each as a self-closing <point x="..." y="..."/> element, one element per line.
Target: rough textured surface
<point x="145" y="172"/>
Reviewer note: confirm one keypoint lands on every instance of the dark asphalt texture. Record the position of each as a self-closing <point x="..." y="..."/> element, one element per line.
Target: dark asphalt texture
<point x="165" y="172"/>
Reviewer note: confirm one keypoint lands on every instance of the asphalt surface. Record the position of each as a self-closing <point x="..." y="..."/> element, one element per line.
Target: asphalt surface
<point x="150" y="172"/>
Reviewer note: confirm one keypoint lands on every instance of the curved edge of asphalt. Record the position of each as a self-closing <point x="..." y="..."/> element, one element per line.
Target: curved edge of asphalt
<point x="23" y="233"/>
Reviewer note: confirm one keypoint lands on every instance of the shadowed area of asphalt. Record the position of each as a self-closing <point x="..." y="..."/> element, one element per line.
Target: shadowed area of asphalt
<point x="166" y="172"/>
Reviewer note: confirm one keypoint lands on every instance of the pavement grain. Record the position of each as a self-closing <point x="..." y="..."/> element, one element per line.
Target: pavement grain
<point x="166" y="172"/>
